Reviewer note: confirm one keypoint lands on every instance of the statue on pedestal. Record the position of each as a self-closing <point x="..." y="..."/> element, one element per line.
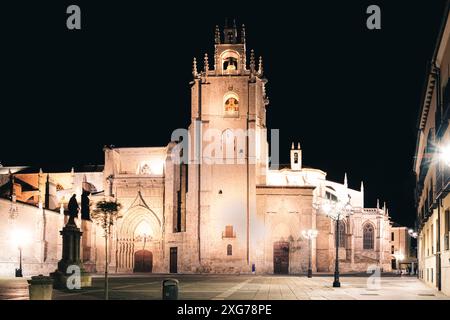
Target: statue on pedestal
<point x="70" y="260"/>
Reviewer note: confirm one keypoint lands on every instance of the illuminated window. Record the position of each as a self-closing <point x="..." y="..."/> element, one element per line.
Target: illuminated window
<point x="229" y="250"/>
<point x="368" y="237"/>
<point x="341" y="234"/>
<point x="231" y="107"/>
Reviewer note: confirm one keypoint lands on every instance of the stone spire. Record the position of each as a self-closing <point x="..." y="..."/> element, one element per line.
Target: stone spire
<point x="378" y="203"/>
<point x="362" y="194"/>
<point x="206" y="63"/>
<point x="216" y="59"/>
<point x="217" y="35"/>
<point x="243" y="34"/>
<point x="298" y="145"/>
<point x="292" y="146"/>
<point x="260" y="66"/>
<point x="345" y="180"/>
<point x="252" y="61"/>
<point x="194" y="68"/>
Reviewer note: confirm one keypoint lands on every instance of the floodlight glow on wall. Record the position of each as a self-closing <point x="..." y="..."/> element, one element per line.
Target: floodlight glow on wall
<point x="20" y="238"/>
<point x="444" y="154"/>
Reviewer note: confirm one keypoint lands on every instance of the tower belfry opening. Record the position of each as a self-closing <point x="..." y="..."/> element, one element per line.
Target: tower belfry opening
<point x="230" y="33"/>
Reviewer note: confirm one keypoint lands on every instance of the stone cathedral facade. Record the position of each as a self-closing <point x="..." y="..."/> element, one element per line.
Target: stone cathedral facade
<point x="208" y="202"/>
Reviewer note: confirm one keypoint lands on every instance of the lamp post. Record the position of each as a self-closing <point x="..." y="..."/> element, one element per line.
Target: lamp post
<point x="310" y="234"/>
<point x="336" y="210"/>
<point x="19" y="273"/>
<point x="413" y="234"/>
<point x="19" y="239"/>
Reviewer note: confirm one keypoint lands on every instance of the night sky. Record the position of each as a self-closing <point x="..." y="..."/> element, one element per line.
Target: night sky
<point x="351" y="96"/>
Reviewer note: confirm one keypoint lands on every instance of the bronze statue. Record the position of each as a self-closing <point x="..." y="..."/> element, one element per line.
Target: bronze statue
<point x="73" y="209"/>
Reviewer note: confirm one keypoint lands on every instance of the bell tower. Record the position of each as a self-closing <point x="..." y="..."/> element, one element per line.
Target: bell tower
<point x="228" y="150"/>
<point x="296" y="157"/>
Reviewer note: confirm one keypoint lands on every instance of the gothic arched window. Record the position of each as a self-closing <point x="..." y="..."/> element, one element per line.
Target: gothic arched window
<point x="341" y="232"/>
<point x="229" y="250"/>
<point x="368" y="236"/>
<point x="228" y="144"/>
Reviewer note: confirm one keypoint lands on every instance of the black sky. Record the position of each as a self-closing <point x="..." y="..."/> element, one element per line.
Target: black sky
<point x="349" y="95"/>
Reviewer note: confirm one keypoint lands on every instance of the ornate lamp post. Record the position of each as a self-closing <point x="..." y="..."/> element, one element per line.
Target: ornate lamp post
<point x="337" y="210"/>
<point x="310" y="234"/>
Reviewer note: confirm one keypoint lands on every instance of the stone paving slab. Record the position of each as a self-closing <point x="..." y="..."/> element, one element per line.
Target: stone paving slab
<point x="251" y="287"/>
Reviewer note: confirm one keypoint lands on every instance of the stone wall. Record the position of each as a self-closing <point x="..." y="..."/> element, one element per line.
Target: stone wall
<point x="37" y="231"/>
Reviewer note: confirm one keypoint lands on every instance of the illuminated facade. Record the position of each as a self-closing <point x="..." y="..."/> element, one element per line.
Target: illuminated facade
<point x="431" y="166"/>
<point x="210" y="202"/>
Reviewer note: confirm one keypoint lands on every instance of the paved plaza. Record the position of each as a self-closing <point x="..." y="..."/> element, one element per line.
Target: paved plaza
<point x="237" y="287"/>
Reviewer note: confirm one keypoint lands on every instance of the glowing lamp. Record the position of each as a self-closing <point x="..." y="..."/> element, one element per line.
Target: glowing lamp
<point x="20" y="238"/>
<point x="445" y="154"/>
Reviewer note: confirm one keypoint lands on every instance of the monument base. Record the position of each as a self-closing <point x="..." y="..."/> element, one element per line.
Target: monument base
<point x="67" y="281"/>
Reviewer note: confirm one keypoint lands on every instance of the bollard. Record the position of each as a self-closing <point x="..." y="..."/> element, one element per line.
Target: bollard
<point x="40" y="288"/>
<point x="170" y="289"/>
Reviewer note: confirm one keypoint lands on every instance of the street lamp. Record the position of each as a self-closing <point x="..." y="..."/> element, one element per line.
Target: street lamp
<point x="413" y="234"/>
<point x="337" y="210"/>
<point x="444" y="154"/>
<point x="19" y="239"/>
<point x="310" y="234"/>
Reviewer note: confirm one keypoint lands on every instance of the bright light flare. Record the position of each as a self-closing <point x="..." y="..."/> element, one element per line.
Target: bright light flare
<point x="326" y="208"/>
<point x="20" y="238"/>
<point x="444" y="154"/>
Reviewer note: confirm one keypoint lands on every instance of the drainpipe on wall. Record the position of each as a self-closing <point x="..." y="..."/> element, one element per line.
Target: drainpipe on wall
<point x="438" y="248"/>
<point x="439" y="202"/>
<point x="199" y="168"/>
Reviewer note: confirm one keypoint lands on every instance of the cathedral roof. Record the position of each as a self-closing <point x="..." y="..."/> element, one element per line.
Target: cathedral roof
<point x="57" y="169"/>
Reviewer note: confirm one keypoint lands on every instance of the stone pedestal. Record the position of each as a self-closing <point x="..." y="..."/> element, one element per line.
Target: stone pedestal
<point x="70" y="263"/>
<point x="40" y="288"/>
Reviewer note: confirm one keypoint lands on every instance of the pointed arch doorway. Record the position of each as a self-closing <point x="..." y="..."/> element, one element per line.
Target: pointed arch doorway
<point x="139" y="247"/>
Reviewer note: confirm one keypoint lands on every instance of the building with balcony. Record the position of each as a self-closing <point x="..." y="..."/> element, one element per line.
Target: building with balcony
<point x="432" y="167"/>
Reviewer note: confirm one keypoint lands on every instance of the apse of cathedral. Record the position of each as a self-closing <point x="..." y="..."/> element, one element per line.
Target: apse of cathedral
<point x="188" y="207"/>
